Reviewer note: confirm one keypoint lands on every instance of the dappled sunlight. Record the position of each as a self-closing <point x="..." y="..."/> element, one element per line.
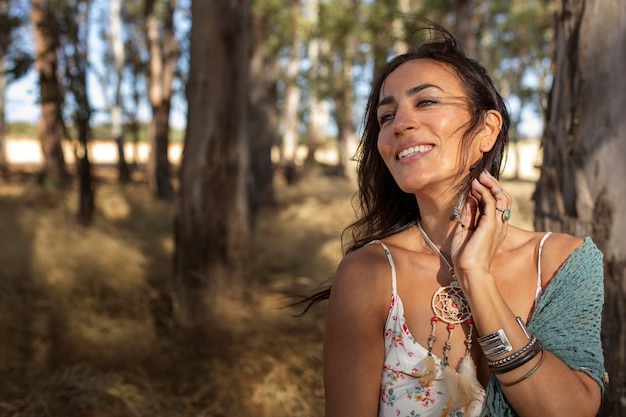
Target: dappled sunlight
<point x="86" y="314"/>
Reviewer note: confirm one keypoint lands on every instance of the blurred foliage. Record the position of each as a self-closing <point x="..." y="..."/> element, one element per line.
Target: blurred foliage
<point x="513" y="42"/>
<point x="22" y="130"/>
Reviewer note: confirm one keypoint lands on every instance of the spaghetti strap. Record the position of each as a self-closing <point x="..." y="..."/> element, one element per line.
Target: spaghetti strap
<point x="539" y="290"/>
<point x="391" y="264"/>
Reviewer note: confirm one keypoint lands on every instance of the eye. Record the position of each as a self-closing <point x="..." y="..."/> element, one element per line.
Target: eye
<point x="385" y="117"/>
<point x="425" y="102"/>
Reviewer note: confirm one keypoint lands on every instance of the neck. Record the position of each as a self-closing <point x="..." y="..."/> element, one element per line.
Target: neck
<point x="435" y="249"/>
<point x="437" y="201"/>
<point x="435" y="210"/>
<point x="439" y="229"/>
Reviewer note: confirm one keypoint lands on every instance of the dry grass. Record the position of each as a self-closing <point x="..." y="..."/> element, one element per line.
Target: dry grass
<point x="85" y="323"/>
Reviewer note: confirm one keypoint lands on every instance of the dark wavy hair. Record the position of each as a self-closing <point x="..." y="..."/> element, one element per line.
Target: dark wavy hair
<point x="383" y="208"/>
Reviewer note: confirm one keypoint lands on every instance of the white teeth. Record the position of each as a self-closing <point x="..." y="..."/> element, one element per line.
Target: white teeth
<point x="413" y="150"/>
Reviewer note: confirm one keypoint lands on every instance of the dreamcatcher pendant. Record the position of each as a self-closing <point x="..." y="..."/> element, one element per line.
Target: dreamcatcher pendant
<point x="450" y="307"/>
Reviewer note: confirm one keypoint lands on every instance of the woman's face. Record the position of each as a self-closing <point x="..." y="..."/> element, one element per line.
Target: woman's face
<point x="422" y="113"/>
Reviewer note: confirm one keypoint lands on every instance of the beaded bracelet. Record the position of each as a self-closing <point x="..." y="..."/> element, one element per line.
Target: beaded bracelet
<point x="528" y="374"/>
<point x="519" y="361"/>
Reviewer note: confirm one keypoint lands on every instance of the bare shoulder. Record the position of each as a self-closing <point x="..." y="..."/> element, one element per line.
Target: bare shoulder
<point x="558" y="247"/>
<point x="362" y="282"/>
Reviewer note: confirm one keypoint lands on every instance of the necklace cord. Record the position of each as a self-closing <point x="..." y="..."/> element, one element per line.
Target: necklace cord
<point x="436" y="250"/>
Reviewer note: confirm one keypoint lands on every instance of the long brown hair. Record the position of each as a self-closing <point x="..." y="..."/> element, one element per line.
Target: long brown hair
<point x="383" y="208"/>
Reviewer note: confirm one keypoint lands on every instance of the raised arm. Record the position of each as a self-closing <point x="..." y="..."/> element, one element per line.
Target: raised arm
<point x="554" y="380"/>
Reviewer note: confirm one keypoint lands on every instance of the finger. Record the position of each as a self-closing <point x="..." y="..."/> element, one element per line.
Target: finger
<point x="506" y="214"/>
<point x="470" y="210"/>
<point x="494" y="209"/>
<point x="498" y="192"/>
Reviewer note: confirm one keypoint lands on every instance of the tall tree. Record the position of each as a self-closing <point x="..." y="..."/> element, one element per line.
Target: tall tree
<point x="137" y="72"/>
<point x="515" y="45"/>
<point x="74" y="20"/>
<point x="47" y="64"/>
<point x="163" y="50"/>
<point x="213" y="216"/>
<point x="381" y="13"/>
<point x="117" y="109"/>
<point x="263" y="126"/>
<point x="464" y="25"/>
<point x="318" y="106"/>
<point x="292" y="96"/>
<point x="8" y="23"/>
<point x="581" y="189"/>
<point x="15" y="61"/>
<point x="341" y="21"/>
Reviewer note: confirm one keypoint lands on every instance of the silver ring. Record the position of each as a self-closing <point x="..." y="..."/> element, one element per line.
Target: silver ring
<point x="506" y="214"/>
<point x="498" y="191"/>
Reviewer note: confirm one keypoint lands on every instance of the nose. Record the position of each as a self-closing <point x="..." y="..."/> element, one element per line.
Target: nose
<point x="403" y="120"/>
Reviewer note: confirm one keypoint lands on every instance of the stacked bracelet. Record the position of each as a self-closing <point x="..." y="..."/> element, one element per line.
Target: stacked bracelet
<point x="528" y="374"/>
<point x="517" y="359"/>
<point x="495" y="344"/>
<point x="515" y="355"/>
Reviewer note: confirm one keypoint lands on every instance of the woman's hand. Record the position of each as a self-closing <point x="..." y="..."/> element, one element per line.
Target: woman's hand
<point x="486" y="215"/>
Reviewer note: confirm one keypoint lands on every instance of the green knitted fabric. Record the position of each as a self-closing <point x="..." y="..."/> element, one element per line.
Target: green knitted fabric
<point x="567" y="321"/>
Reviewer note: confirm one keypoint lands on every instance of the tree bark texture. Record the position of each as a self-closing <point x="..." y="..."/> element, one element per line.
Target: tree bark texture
<point x="46" y="63"/>
<point x="213" y="215"/>
<point x="582" y="188"/>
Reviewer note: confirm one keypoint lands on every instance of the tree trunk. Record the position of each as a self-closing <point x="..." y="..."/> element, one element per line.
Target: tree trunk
<point x="159" y="170"/>
<point x="117" y="48"/>
<point x="263" y="118"/>
<point x="398" y="24"/>
<point x="581" y="188"/>
<point x="343" y="88"/>
<point x="50" y="123"/>
<point x="463" y="26"/>
<point x="213" y="215"/>
<point x="383" y="42"/>
<point x="319" y="112"/>
<point x="344" y="115"/>
<point x="4" y="47"/>
<point x="163" y="55"/>
<point x="292" y="101"/>
<point x="76" y="72"/>
<point x="4" y="167"/>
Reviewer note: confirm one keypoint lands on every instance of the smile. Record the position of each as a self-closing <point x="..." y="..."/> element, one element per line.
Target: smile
<point x="413" y="150"/>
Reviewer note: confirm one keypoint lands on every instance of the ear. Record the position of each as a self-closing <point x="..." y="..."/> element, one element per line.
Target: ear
<point x="490" y="131"/>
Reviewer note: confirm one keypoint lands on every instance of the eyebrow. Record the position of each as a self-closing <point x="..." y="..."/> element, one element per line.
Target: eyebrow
<point x="410" y="92"/>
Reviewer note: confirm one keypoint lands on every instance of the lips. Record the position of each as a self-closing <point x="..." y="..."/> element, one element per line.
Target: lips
<point x="413" y="150"/>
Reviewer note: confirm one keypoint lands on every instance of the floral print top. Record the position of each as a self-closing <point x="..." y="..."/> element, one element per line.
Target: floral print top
<point x="401" y="393"/>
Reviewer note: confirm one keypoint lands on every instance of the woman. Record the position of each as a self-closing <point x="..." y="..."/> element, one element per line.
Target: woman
<point x="428" y="310"/>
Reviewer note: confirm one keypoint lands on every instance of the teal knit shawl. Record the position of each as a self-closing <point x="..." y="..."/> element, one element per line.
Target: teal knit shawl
<point x="567" y="321"/>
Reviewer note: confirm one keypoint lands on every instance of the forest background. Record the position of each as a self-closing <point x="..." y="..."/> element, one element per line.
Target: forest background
<point x="154" y="283"/>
